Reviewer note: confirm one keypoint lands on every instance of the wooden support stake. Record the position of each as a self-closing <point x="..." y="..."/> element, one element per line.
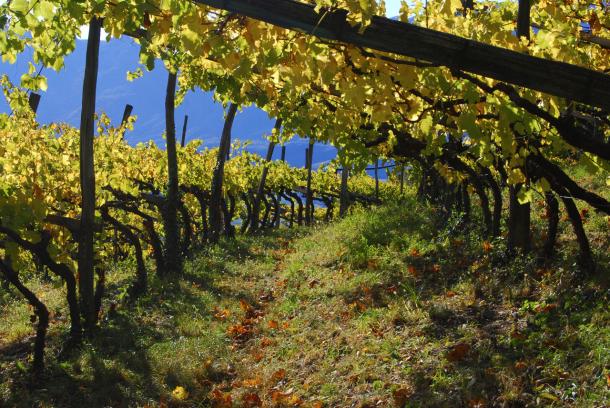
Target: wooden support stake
<point x="33" y="101"/>
<point x="186" y="121"/>
<point x="126" y="114"/>
<point x="87" y="178"/>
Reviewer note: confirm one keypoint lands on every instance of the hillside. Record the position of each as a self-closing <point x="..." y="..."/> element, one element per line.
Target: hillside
<point x="382" y="308"/>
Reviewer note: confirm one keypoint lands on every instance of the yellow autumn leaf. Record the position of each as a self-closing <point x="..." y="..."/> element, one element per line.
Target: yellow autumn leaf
<point x="180" y="393"/>
<point x="450" y="6"/>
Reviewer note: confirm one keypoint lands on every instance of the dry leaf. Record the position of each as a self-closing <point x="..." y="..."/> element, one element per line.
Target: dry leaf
<point x="413" y="271"/>
<point x="458" y="352"/>
<point x="401" y="396"/>
<point x="221" y="399"/>
<point x="251" y="400"/>
<point x="279" y="374"/>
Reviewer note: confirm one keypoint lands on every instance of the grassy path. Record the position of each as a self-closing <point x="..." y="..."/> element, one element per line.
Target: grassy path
<point x="381" y="309"/>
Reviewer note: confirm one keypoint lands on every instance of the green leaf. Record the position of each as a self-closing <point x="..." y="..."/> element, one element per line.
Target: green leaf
<point x="46" y="9"/>
<point x="20" y="6"/>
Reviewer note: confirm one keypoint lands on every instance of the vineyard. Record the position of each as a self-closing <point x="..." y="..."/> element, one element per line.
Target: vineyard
<point x="475" y="274"/>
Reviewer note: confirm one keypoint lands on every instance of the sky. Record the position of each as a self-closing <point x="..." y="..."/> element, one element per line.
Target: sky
<point x="61" y="102"/>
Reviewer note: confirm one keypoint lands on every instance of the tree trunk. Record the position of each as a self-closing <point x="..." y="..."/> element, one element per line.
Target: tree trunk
<point x="215" y="207"/>
<point x="376" y="178"/>
<point x="552" y="215"/>
<point x="245" y="222"/>
<point x="344" y="195"/>
<point x="139" y="286"/>
<point x="87" y="179"/>
<point x="299" y="202"/>
<point x="173" y="258"/>
<point x="585" y="258"/>
<point x="466" y="203"/>
<point x="156" y="246"/>
<point x="41" y="311"/>
<point x="518" y="222"/>
<point x="497" y="209"/>
<point x="261" y="184"/>
<point x="309" y="195"/>
<point x="186" y="226"/>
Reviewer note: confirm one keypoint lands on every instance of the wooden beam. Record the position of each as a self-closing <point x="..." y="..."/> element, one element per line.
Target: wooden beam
<point x="383" y="34"/>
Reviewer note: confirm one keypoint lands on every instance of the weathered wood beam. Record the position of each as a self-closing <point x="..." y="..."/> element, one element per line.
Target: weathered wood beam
<point x="383" y="34"/>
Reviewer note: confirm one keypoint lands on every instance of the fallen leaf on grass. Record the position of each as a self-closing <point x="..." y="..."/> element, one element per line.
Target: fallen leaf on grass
<point x="517" y="335"/>
<point x="477" y="403"/>
<point x="180" y="393"/>
<point x="401" y="396"/>
<point x="412" y="271"/>
<point x="251" y="382"/>
<point x="458" y="352"/>
<point x="377" y="330"/>
<point x="487" y="247"/>
<point x="238" y="330"/>
<point x="286" y="399"/>
<point x="279" y="374"/>
<point x="221" y="399"/>
<point x="265" y="342"/>
<point x="221" y="314"/>
<point x="273" y="324"/>
<point x="372" y="264"/>
<point x="251" y="400"/>
<point x="520" y="365"/>
<point x="313" y="283"/>
<point x="245" y="306"/>
<point x="257" y="355"/>
<point x="545" y="308"/>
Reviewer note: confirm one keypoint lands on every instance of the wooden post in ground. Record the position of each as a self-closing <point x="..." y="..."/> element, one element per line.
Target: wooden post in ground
<point x="173" y="258"/>
<point x="309" y="210"/>
<point x="33" y="101"/>
<point x="126" y="113"/>
<point x="519" y="214"/>
<point x="215" y="207"/>
<point x="87" y="178"/>
<point x="376" y="178"/>
<point x="186" y="121"/>
<point x="344" y="196"/>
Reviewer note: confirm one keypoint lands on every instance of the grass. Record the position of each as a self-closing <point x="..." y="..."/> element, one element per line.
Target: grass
<point x="382" y="308"/>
